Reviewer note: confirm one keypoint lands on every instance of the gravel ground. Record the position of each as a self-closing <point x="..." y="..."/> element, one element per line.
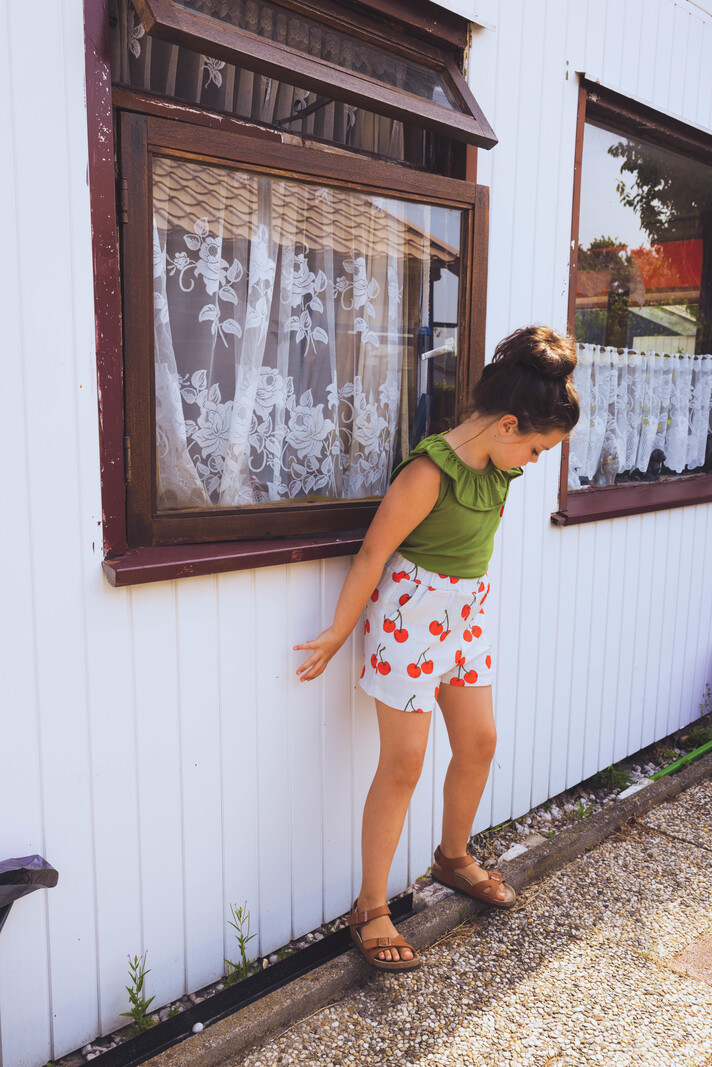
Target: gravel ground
<point x="576" y="975"/>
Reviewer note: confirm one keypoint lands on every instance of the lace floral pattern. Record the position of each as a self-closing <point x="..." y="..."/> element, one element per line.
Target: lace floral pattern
<point x="294" y="424"/>
<point x="633" y="403"/>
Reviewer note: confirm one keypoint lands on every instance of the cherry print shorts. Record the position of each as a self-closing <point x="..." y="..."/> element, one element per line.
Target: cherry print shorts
<point x="423" y="631"/>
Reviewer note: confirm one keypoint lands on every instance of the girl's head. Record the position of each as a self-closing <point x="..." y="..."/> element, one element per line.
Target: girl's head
<point x="530" y="378"/>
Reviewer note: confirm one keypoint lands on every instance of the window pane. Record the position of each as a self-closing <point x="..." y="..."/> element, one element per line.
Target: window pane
<point x="149" y="64"/>
<point x="643" y="301"/>
<point x="289" y="318"/>
<point x="312" y="38"/>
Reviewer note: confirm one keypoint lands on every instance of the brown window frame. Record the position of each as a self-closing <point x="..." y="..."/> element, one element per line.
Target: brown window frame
<point x="128" y="560"/>
<point x="609" y="502"/>
<point x="183" y="26"/>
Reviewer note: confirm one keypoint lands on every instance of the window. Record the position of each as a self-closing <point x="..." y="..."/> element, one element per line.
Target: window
<point x="300" y="266"/>
<point x="641" y="306"/>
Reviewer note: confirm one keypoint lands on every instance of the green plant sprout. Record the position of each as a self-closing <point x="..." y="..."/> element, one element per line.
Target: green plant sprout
<point x="139" y="1003"/>
<point x="175" y="1010"/>
<point x="611" y="778"/>
<point x="240" y="922"/>
<point x="583" y="810"/>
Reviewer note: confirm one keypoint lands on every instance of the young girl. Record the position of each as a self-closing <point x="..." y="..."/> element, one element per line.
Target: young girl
<point x="421" y="573"/>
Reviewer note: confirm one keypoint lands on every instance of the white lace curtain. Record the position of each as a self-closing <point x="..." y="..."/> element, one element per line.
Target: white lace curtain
<point x="635" y="402"/>
<point x="282" y="314"/>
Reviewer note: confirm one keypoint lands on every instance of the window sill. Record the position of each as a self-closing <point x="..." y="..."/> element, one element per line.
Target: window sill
<point x="164" y="563"/>
<point x="633" y="498"/>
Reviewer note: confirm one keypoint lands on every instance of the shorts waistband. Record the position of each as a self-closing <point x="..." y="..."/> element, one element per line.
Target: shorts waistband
<point x="414" y="572"/>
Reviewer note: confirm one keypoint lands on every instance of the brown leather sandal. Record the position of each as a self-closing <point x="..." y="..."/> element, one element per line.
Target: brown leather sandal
<point x="446" y="871"/>
<point x="370" y="948"/>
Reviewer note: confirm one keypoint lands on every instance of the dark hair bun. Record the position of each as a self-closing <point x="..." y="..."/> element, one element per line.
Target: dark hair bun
<point x="540" y="348"/>
<point x="530" y="377"/>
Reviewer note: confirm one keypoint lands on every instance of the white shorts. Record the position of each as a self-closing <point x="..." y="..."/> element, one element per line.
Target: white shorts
<point x="424" y="630"/>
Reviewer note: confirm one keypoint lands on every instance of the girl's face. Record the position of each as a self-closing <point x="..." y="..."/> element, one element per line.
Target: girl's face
<point x="510" y="448"/>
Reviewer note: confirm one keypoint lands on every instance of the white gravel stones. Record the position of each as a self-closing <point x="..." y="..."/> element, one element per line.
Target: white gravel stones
<point x="575" y="977"/>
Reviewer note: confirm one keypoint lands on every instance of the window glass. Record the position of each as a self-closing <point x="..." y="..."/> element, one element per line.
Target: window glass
<point x="284" y="26"/>
<point x="643" y="303"/>
<point x="291" y="319"/>
<point x="149" y="64"/>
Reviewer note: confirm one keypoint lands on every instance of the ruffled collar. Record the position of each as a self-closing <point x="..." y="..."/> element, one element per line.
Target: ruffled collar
<point x="478" y="490"/>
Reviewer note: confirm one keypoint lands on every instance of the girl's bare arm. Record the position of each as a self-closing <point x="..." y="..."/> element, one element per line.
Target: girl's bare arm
<point x="411" y="497"/>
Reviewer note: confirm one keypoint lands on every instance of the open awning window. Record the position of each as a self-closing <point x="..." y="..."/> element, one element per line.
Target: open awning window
<point x="331" y="51"/>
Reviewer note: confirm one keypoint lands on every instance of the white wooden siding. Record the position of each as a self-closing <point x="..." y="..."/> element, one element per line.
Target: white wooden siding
<point x="156" y="746"/>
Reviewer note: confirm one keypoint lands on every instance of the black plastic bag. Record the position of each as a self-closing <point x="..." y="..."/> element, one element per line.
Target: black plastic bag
<point x="21" y="876"/>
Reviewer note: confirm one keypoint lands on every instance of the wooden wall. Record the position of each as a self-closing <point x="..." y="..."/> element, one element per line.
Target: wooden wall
<point x="155" y="745"/>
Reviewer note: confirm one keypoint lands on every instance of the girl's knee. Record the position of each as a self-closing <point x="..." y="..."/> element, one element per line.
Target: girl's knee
<point x="403" y="768"/>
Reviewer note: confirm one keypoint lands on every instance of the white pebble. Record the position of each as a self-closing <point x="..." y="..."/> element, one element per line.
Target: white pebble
<point x="197" y="1028"/>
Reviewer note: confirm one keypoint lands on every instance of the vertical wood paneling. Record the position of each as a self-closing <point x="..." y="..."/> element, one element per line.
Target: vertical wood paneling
<point x="274" y="660"/>
<point x="689" y="698"/>
<point x="158" y="755"/>
<point x="596" y="646"/>
<point x="663" y="55"/>
<point x="305" y="745"/>
<point x="238" y="749"/>
<point x="562" y="678"/>
<point x="638" y="716"/>
<point x="200" y="778"/>
<point x="53" y="464"/>
<point x="668" y="714"/>
<point x="627" y="623"/>
<point x="648" y="25"/>
<point x="25" y="999"/>
<point x="584" y="608"/>
<point x="680" y="621"/>
<point x="677" y="49"/>
<point x="338" y="685"/>
<point x="703" y="109"/>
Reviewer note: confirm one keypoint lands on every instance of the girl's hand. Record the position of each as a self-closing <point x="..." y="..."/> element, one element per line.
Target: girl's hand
<point x="323" y="648"/>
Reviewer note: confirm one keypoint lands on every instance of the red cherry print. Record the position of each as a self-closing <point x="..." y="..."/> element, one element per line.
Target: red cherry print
<point x="477" y="631"/>
<point x="389" y="625"/>
<point x="363" y="670"/>
<point x="418" y="711"/>
<point x="397" y="576"/>
<point x="457" y="681"/>
<point x="367" y="627"/>
<point x="431" y="588"/>
<point x="470" y="676"/>
<point x="374" y="595"/>
<point x="480" y="587"/>
<point x="459" y="658"/>
<point x="501" y="512"/>
<point x="467" y="636"/>
<point x="404" y="599"/>
<point x="427" y="666"/>
<point x="413" y="670"/>
<point x="443" y="636"/>
<point x="482" y="611"/>
<point x="416" y="581"/>
<point x="436" y="628"/>
<point x="437" y="691"/>
<point x="384" y="668"/>
<point x="374" y="661"/>
<point x="442" y="576"/>
<point x="401" y="636"/>
<point x="454" y="580"/>
<point x="488" y="661"/>
<point x="465" y="611"/>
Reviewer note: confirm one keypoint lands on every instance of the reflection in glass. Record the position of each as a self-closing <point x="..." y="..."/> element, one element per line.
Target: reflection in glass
<point x="643" y="313"/>
<point x="284" y="26"/>
<point x="289" y="318"/>
<point x="151" y="65"/>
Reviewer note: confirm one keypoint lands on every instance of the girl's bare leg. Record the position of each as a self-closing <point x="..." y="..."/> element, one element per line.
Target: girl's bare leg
<point x="473" y="736"/>
<point x="404" y="737"/>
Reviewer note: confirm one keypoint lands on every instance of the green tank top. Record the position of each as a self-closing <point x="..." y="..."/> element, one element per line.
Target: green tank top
<point x="457" y="537"/>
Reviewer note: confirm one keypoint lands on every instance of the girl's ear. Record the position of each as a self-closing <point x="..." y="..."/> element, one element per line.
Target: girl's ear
<point x="508" y="425"/>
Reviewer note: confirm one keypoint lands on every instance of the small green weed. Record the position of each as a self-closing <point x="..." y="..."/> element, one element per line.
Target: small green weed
<point x="240" y="922"/>
<point x="175" y="1010"/>
<point x="695" y="737"/>
<point x="139" y="1003"/>
<point x="548" y="833"/>
<point x="611" y="778"/>
<point x="282" y="953"/>
<point x="582" y="811"/>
